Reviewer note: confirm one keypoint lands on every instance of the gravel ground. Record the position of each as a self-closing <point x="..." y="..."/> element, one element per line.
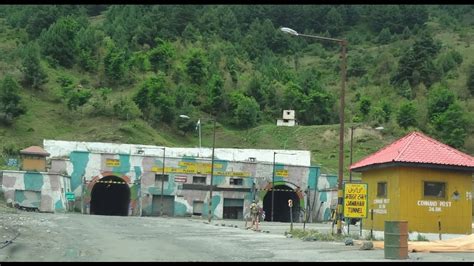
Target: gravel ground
<point x="66" y="237"/>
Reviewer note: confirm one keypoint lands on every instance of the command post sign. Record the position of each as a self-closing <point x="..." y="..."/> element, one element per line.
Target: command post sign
<point x="355" y="200"/>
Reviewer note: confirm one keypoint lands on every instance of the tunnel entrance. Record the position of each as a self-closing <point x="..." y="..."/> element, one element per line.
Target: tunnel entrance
<point x="282" y="211"/>
<point x="110" y="196"/>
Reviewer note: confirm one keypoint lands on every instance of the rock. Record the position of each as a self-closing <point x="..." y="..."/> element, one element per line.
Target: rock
<point x="289" y="236"/>
<point x="367" y="245"/>
<point x="349" y="242"/>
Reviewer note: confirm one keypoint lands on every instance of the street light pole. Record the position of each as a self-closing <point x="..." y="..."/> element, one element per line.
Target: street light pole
<point x="212" y="171"/>
<point x="273" y="179"/>
<point x="343" y="44"/>
<point x="199" y="124"/>
<point x="273" y="183"/>
<point x="162" y="182"/>
<point x="350" y="172"/>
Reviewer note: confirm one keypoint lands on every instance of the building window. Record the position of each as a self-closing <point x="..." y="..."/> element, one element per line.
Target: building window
<point x="285" y="120"/>
<point x="434" y="189"/>
<point x="236" y="181"/>
<point x="382" y="189"/>
<point x="199" y="180"/>
<point x="160" y="177"/>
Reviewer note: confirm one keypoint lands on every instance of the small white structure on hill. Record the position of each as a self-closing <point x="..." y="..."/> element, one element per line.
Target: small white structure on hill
<point x="288" y="119"/>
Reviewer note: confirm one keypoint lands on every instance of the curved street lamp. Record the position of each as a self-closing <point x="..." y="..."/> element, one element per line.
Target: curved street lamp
<point x="343" y="44"/>
<point x="212" y="161"/>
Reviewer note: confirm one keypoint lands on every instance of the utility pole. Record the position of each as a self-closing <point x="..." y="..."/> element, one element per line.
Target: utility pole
<point x="212" y="171"/>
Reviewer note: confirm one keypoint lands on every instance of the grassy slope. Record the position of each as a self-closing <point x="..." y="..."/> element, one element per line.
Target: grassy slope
<point x="47" y="119"/>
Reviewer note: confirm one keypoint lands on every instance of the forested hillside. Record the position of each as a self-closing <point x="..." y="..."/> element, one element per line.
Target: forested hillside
<point x="126" y="73"/>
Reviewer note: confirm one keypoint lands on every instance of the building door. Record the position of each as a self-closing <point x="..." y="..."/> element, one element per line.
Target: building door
<point x="197" y="207"/>
<point x="168" y="205"/>
<point x="233" y="208"/>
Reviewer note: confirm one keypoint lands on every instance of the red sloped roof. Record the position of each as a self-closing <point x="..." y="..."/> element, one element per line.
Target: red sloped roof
<point x="34" y="150"/>
<point x="417" y="148"/>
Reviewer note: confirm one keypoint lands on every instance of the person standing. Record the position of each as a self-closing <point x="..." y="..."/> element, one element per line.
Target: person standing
<point x="254" y="214"/>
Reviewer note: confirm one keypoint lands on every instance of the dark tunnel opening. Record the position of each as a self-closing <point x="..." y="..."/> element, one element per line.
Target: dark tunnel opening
<point x="282" y="210"/>
<point x="110" y="198"/>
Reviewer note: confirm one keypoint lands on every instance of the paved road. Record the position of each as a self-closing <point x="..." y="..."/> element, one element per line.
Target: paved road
<point x="76" y="237"/>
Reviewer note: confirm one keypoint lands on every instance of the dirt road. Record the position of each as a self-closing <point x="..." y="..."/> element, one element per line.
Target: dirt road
<point x="77" y="237"/>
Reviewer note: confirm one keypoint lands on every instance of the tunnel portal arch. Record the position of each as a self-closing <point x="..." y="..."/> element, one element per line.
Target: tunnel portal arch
<point x="110" y="196"/>
<point x="282" y="211"/>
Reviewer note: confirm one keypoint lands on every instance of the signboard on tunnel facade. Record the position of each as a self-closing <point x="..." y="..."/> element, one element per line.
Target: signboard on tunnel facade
<point x="355" y="200"/>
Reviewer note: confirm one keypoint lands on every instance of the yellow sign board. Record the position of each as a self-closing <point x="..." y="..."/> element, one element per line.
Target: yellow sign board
<point x="355" y="200"/>
<point x="195" y="171"/>
<point x="200" y="168"/>
<point x="282" y="173"/>
<point x="112" y="162"/>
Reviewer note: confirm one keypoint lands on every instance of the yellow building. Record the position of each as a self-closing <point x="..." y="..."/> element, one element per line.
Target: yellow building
<point x="34" y="159"/>
<point x="419" y="180"/>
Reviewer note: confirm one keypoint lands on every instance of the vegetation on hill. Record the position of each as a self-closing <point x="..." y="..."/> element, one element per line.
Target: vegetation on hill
<point x="126" y="73"/>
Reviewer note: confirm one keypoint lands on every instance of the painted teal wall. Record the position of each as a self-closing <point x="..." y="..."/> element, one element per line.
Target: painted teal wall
<point x="79" y="162"/>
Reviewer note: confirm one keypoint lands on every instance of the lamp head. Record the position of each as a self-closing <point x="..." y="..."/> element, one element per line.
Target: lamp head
<point x="289" y="31"/>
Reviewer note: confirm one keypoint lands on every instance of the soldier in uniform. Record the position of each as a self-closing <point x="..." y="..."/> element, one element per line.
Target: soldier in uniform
<point x="254" y="214"/>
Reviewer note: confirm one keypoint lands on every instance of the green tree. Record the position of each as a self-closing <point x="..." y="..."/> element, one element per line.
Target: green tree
<point x="33" y="73"/>
<point x="141" y="99"/>
<point x="405" y="90"/>
<point x="196" y="66"/>
<point x="78" y="98"/>
<point x="364" y="106"/>
<point x="155" y="100"/>
<point x="126" y="109"/>
<point x="66" y="86"/>
<point x="470" y="79"/>
<point x="387" y="110"/>
<point x="385" y="36"/>
<point x="115" y="63"/>
<point x="333" y="21"/>
<point x="10" y="99"/>
<point x="88" y="42"/>
<point x="406" y="33"/>
<point x="191" y="33"/>
<point x="451" y="126"/>
<point x="439" y="100"/>
<point x="406" y="115"/>
<point x="245" y="110"/>
<point x="58" y="42"/>
<point x="416" y="65"/>
<point x="216" y="93"/>
<point x="100" y="101"/>
<point x="160" y="56"/>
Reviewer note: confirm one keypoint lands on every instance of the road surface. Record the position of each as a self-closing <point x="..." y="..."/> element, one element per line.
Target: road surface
<point x="77" y="237"/>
